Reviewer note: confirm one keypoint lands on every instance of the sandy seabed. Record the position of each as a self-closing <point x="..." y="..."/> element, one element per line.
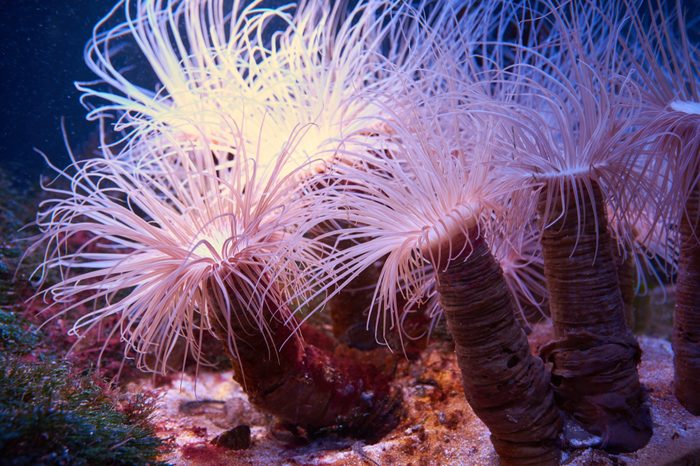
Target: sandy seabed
<point x="439" y="427"/>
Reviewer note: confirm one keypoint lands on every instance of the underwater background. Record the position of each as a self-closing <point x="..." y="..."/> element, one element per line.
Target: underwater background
<point x="41" y="56"/>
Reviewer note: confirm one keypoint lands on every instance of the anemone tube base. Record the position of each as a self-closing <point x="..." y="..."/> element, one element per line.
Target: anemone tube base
<point x="307" y="387"/>
<point x="594" y="355"/>
<point x="507" y="386"/>
<point x="686" y="322"/>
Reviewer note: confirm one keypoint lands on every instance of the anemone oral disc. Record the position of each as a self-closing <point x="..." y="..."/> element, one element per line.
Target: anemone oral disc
<point x="686" y="106"/>
<point x="448" y="233"/>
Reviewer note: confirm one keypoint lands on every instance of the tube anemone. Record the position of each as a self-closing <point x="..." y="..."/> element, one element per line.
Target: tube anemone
<point x="571" y="118"/>
<point x="495" y="360"/>
<point x="665" y="64"/>
<point x="595" y="355"/>
<point x="425" y="209"/>
<point x="263" y="72"/>
<point x="196" y="249"/>
<point x="235" y="89"/>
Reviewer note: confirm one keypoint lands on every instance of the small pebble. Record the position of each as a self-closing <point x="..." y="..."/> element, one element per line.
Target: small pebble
<point x="237" y="438"/>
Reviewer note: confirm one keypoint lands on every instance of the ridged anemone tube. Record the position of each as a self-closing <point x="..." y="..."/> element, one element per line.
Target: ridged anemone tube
<point x="222" y="65"/>
<point x="237" y="87"/>
<point x="425" y="209"/>
<point x="572" y="133"/>
<point x="667" y="66"/>
<point x="191" y="250"/>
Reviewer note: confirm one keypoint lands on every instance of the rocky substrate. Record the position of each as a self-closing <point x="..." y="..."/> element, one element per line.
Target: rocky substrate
<point x="439" y="427"/>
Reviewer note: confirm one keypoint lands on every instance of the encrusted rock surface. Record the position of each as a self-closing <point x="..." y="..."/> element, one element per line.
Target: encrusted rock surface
<point x="439" y="428"/>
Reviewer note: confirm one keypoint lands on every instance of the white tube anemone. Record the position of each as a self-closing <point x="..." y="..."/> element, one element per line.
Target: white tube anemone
<point x="180" y="252"/>
<point x="571" y="106"/>
<point x="250" y="67"/>
<point x="581" y="132"/>
<point x="568" y="103"/>
<point x="664" y="63"/>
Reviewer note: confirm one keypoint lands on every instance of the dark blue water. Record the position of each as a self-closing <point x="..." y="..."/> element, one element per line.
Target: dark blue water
<point x="41" y="44"/>
<point x="41" y="56"/>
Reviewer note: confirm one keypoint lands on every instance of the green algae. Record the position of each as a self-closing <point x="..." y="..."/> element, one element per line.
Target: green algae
<point x="15" y="337"/>
<point x="53" y="412"/>
<point x="50" y="416"/>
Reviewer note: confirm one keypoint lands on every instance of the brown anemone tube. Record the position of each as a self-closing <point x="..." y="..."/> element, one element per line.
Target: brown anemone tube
<point x="349" y="307"/>
<point x="304" y="385"/>
<point x="594" y="355"/>
<point x="349" y="313"/>
<point x="627" y="276"/>
<point x="506" y="386"/>
<point x="349" y="310"/>
<point x="686" y="323"/>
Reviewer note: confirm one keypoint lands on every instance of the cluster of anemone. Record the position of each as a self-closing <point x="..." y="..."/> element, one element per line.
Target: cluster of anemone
<point x="489" y="163"/>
